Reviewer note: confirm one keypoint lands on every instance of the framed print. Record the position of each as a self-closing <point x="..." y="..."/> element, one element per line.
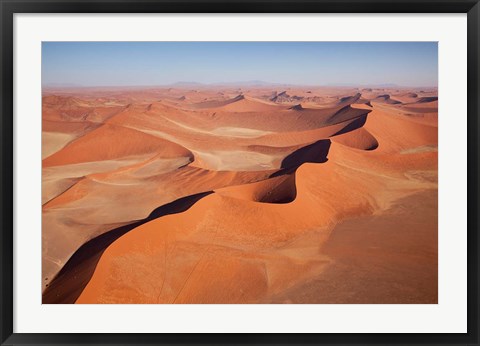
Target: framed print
<point x="260" y="172"/>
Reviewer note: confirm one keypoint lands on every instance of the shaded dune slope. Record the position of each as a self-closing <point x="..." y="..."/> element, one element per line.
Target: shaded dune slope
<point x="75" y="274"/>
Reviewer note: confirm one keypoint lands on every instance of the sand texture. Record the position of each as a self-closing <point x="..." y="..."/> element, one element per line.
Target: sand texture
<point x="239" y="195"/>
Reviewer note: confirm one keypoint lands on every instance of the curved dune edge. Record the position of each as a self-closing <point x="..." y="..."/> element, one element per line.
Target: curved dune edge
<point x="351" y="154"/>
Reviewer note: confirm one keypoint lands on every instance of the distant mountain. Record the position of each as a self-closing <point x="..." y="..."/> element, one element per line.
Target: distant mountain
<point x="61" y="85"/>
<point x="383" y="85"/>
<point x="249" y="83"/>
<point x="183" y="84"/>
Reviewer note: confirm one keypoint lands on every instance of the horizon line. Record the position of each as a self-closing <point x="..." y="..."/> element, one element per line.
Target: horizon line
<point x="182" y="84"/>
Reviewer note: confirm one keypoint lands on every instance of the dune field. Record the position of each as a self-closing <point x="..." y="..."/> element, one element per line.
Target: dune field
<point x="222" y="194"/>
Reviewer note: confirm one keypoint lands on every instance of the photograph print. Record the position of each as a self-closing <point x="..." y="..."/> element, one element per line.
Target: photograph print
<point x="239" y="173"/>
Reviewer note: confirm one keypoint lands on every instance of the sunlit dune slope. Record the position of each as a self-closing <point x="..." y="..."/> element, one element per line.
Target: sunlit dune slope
<point x="108" y="143"/>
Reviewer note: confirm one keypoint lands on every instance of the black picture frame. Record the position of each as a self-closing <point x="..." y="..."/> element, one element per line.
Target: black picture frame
<point x="9" y="7"/>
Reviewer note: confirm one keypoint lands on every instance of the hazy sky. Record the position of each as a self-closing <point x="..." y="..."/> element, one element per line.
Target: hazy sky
<point x="305" y="63"/>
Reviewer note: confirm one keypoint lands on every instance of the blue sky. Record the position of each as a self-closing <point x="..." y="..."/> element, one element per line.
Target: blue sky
<point x="303" y="63"/>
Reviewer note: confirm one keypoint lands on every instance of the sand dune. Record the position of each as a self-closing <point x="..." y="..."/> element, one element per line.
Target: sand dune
<point x="427" y="99"/>
<point x="240" y="104"/>
<point x="386" y="99"/>
<point x="239" y="195"/>
<point x="359" y="139"/>
<point x="110" y="139"/>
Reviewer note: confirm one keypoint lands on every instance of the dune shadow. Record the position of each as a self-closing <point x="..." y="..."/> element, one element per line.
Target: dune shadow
<point x="427" y="99"/>
<point x="69" y="283"/>
<point x="315" y="153"/>
<point x="283" y="193"/>
<point x="356" y="124"/>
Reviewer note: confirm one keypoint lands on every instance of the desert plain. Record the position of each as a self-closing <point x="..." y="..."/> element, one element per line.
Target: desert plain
<point x="227" y="194"/>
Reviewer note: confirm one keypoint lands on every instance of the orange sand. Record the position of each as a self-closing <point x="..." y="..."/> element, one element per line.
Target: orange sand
<point x="254" y="195"/>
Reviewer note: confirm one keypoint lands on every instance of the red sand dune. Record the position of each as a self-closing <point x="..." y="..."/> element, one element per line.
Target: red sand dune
<point x="240" y="196"/>
<point x="108" y="142"/>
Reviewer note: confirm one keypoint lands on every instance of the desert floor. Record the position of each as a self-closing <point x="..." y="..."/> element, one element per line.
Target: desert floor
<point x="239" y="195"/>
